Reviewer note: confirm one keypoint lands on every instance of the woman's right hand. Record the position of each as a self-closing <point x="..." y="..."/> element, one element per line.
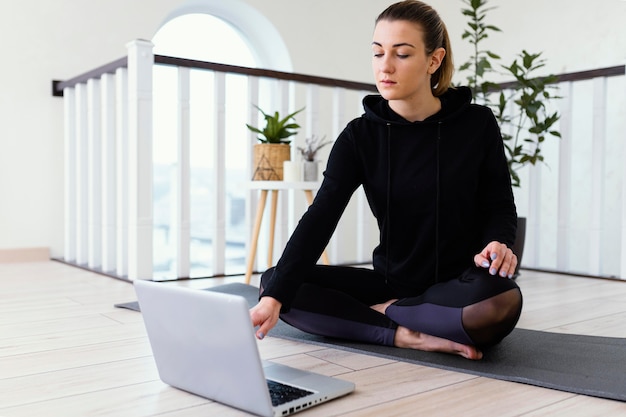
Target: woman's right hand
<point x="265" y="315"/>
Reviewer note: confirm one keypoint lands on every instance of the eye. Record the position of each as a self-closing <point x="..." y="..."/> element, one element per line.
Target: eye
<point x="403" y="56"/>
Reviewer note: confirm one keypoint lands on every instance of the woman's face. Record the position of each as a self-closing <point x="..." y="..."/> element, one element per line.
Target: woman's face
<point x="401" y="67"/>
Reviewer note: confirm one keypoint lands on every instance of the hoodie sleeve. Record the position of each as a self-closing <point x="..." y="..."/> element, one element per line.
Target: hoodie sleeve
<point x="315" y="228"/>
<point x="498" y="205"/>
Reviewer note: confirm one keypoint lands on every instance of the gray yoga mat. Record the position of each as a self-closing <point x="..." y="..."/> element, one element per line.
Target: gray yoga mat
<point x="587" y="365"/>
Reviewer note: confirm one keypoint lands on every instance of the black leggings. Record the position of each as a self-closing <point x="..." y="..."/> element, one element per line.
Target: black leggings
<point x="473" y="309"/>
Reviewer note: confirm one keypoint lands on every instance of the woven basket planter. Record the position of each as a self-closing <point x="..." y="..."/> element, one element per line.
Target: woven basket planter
<point x="268" y="158"/>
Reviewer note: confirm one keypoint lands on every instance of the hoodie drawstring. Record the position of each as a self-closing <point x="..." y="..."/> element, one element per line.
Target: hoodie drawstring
<point x="437" y="196"/>
<point x="387" y="216"/>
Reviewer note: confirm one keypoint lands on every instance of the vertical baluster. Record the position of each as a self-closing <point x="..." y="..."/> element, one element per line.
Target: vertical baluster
<point x="81" y="174"/>
<point x="622" y="271"/>
<point x="565" y="165"/>
<point x="182" y="213"/>
<point x="534" y="187"/>
<point x="597" y="175"/>
<point x="286" y="105"/>
<point x="252" y="118"/>
<point x="218" y="189"/>
<point x="140" y="212"/>
<point x="70" y="139"/>
<point x="94" y="187"/>
<point x="108" y="173"/>
<point x="121" y="169"/>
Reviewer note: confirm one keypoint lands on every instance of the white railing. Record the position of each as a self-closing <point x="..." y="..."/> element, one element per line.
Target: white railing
<point x="121" y="125"/>
<point x="158" y="159"/>
<point x="575" y="203"/>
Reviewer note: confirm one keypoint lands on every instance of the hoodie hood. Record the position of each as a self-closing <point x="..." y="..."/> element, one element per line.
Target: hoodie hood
<point x="453" y="102"/>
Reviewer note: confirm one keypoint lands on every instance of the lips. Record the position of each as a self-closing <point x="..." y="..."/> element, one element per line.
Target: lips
<point x="387" y="82"/>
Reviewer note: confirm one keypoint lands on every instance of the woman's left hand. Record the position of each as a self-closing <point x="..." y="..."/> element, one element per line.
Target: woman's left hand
<point x="499" y="258"/>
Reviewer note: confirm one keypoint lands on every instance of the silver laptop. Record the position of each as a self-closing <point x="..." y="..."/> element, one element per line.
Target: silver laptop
<point x="203" y="342"/>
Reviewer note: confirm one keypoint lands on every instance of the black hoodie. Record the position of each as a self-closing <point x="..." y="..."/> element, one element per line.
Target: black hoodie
<point x="439" y="189"/>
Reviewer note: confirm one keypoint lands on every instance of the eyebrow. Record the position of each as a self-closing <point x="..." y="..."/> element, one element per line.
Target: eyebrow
<point x="397" y="45"/>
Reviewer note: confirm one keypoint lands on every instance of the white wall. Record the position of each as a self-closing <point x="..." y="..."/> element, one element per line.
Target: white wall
<point x="43" y="40"/>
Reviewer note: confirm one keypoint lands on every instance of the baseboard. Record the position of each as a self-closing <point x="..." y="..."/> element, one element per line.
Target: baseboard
<point x="24" y="255"/>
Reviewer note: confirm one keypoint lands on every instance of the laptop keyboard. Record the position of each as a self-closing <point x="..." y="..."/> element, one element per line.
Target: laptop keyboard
<point x="281" y="393"/>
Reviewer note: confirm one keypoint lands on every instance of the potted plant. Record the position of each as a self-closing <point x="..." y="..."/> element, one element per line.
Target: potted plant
<point x="273" y="147"/>
<point x="308" y="153"/>
<point x="521" y="109"/>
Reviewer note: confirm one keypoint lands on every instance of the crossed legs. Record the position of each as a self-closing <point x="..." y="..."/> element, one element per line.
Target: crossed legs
<point x="456" y="316"/>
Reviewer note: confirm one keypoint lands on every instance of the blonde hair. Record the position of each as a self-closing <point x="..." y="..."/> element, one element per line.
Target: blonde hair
<point x="435" y="36"/>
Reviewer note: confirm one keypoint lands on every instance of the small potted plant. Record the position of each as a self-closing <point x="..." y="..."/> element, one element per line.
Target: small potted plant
<point x="308" y="152"/>
<point x="273" y="147"/>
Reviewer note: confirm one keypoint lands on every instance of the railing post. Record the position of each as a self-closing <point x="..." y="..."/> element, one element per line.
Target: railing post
<point x="140" y="216"/>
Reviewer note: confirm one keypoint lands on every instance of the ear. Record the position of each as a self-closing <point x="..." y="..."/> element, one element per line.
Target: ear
<point x="436" y="58"/>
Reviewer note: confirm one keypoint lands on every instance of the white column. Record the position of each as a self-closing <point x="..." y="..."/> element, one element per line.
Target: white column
<point x="108" y="173"/>
<point x="140" y="216"/>
<point x="181" y="224"/>
<point x="70" y="163"/>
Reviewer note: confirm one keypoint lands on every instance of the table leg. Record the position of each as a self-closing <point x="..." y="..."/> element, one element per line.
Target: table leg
<point x="309" y="196"/>
<point x="309" y="199"/>
<point x="255" y="235"/>
<point x="270" y="251"/>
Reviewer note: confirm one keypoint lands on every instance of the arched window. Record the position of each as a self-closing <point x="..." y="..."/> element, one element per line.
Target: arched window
<point x="205" y="38"/>
<point x="234" y="34"/>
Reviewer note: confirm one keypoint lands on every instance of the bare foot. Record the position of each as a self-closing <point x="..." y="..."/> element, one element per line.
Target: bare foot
<point x="406" y="338"/>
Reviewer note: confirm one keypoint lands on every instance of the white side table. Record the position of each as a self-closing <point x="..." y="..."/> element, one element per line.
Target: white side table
<point x="274" y="187"/>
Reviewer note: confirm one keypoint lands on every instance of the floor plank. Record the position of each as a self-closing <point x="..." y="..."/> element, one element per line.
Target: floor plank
<point x="65" y="350"/>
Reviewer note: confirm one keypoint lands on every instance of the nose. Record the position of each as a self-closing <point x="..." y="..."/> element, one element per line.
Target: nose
<point x="386" y="66"/>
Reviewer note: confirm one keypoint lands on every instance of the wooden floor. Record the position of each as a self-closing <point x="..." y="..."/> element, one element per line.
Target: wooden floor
<point x="66" y="351"/>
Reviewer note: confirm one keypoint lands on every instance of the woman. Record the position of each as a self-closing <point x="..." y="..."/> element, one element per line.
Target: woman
<point x="433" y="168"/>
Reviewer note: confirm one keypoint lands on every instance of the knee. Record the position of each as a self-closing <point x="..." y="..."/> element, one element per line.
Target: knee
<point x="491" y="320"/>
<point x="507" y="306"/>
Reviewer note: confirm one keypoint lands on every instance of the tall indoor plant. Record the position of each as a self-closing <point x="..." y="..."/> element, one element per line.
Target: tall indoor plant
<point x="273" y="147"/>
<point x="521" y="109"/>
